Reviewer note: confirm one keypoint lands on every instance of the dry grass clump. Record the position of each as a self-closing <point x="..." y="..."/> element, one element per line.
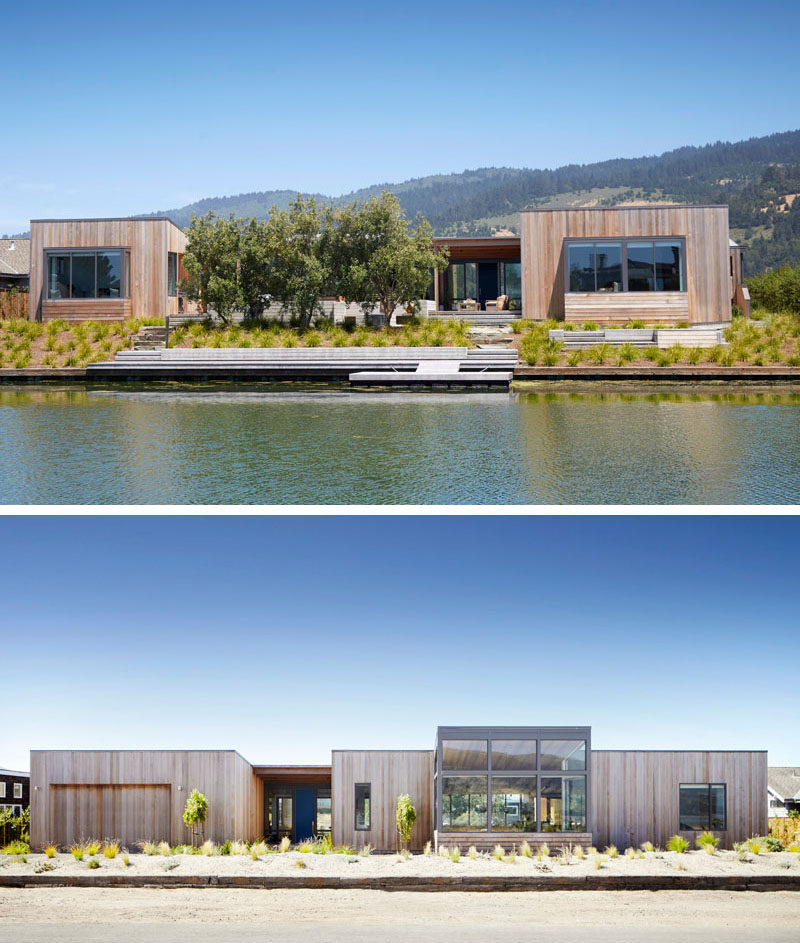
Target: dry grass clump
<point x="110" y="849"/>
<point x="284" y="845"/>
<point x="472" y="854"/>
<point x="428" y="849"/>
<point x="92" y="847"/>
<point x="77" y="851"/>
<point x="525" y="850"/>
<point x="611" y="851"/>
<point x="498" y="852"/>
<point x="455" y="854"/>
<point x="647" y="846"/>
<point x="51" y="850"/>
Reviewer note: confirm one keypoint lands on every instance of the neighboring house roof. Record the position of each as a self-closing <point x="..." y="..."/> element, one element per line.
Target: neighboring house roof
<point x="784" y="781"/>
<point x="15" y="257"/>
<point x="14" y="772"/>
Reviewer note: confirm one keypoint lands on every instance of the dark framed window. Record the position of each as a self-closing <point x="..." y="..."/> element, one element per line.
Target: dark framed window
<point x="464" y="803"/>
<point x="88" y="273"/>
<point x="17" y="790"/>
<point x="613" y="265"/>
<point x="323" y="812"/>
<point x="172" y="274"/>
<point x="702" y="807"/>
<point x="513" y="754"/>
<point x="563" y="804"/>
<point x="465" y="754"/>
<point x="2" y="790"/>
<point x="514" y="803"/>
<point x="362" y="807"/>
<point x="563" y="754"/>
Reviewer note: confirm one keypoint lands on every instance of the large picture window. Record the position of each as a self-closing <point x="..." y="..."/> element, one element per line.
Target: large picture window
<point x="563" y="806"/>
<point x="464" y="754"/>
<point x="702" y="807"/>
<point x="464" y="803"/>
<point x="625" y="265"/>
<point x="84" y="273"/>
<point x="514" y="803"/>
<point x="563" y="754"/>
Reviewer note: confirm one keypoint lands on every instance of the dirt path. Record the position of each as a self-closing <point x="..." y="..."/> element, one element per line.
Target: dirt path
<point x="398" y="911"/>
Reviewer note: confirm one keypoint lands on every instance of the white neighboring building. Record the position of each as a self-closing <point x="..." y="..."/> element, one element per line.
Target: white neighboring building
<point x="783" y="790"/>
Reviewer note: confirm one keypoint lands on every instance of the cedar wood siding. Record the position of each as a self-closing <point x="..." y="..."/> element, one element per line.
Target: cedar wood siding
<point x="139" y="795"/>
<point x="634" y="796"/>
<point x="149" y="240"/>
<point x="707" y="280"/>
<point x="391" y="773"/>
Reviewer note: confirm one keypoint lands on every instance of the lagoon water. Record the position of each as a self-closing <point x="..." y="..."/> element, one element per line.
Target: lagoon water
<point x="258" y="444"/>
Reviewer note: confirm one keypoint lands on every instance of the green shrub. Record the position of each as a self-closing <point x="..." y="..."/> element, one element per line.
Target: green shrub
<point x="600" y="353"/>
<point x="778" y="290"/>
<point x="706" y="838"/>
<point x="94" y="863"/>
<point x="756" y="844"/>
<point x="405" y="817"/>
<point x="677" y="844"/>
<point x="626" y="353"/>
<point x="590" y="326"/>
<point x="637" y="324"/>
<point x="773" y="844"/>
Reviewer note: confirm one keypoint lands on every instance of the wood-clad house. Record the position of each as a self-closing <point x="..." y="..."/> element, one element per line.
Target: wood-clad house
<point x="105" y="269"/>
<point x="478" y="786"/>
<point x="609" y="265"/>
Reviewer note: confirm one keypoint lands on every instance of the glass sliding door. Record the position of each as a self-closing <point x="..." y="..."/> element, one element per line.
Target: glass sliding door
<point x="58" y="276"/>
<point x="464" y="803"/>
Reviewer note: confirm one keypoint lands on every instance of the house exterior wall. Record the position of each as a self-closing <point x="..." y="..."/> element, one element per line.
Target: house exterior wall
<point x="635" y="793"/>
<point x="10" y="778"/>
<point x="390" y="773"/>
<point x="707" y="298"/>
<point x="139" y="795"/>
<point x="149" y="241"/>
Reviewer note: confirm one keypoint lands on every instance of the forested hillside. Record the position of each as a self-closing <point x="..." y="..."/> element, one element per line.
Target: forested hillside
<point x="759" y="179"/>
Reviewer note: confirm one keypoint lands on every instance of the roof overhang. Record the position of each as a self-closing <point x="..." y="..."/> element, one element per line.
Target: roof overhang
<point x="294" y="774"/>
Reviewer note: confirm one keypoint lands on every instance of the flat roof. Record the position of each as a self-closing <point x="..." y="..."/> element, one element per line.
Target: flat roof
<point x="14" y="772"/>
<point x="109" y="219"/>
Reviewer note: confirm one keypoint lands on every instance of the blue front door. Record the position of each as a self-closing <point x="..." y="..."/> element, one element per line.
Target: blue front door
<point x="304" y="814"/>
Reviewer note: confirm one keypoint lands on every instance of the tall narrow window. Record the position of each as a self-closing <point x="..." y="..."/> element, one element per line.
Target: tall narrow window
<point x="17" y="790"/>
<point x="109" y="274"/>
<point x="669" y="266"/>
<point x="2" y="790"/>
<point x="363" y="807"/>
<point x="323" y="812"/>
<point x="172" y="274"/>
<point x="702" y="807"/>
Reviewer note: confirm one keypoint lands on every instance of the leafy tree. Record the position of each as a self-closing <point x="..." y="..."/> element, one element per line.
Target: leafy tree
<point x="212" y="263"/>
<point x="195" y="813"/>
<point x="377" y="258"/>
<point x="406" y="816"/>
<point x="293" y="248"/>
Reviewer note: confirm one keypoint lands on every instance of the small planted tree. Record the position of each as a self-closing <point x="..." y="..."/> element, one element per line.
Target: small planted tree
<point x="406" y="817"/>
<point x="195" y="814"/>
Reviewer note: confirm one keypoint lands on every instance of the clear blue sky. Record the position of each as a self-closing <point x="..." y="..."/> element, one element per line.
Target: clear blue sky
<point x="287" y="637"/>
<point x="119" y="108"/>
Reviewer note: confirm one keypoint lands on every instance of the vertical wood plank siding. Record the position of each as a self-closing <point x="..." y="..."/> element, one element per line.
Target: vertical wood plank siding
<point x="128" y="794"/>
<point x="390" y="774"/>
<point x="634" y="794"/>
<point x="149" y="240"/>
<point x="707" y="278"/>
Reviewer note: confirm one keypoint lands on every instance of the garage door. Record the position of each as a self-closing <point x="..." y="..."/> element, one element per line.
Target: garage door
<point x="129" y="812"/>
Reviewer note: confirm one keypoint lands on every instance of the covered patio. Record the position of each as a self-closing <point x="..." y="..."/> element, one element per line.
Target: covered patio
<point x="484" y="274"/>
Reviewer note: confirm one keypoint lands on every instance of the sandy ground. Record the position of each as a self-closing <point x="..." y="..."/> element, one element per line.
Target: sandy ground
<point x="315" y="908"/>
<point x="286" y="865"/>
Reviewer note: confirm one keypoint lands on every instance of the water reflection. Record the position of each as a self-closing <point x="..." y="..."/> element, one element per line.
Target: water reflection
<point x="260" y="444"/>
